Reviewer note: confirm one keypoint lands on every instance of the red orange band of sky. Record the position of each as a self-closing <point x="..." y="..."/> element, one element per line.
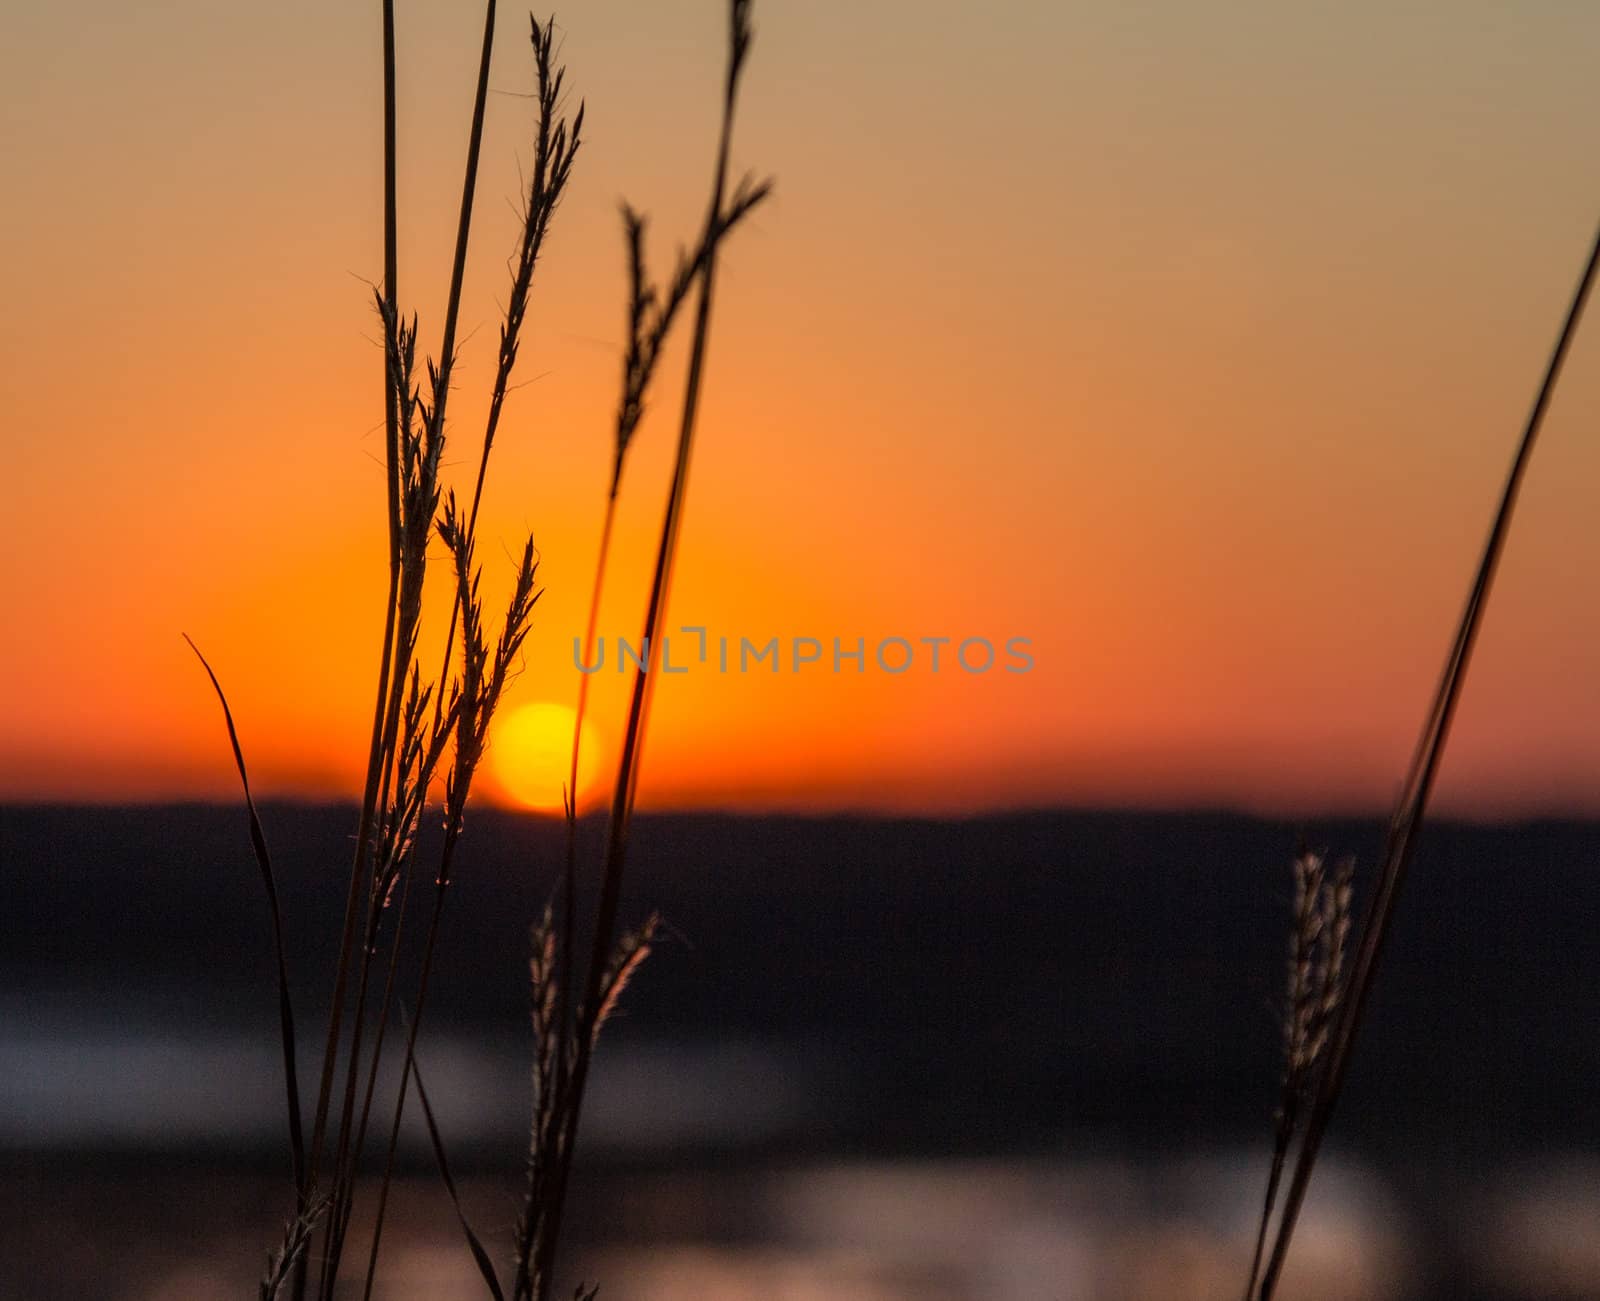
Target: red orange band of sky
<point x="1188" y="344"/>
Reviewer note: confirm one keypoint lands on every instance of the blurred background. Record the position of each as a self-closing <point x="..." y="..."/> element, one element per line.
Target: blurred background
<point x="1186" y="341"/>
<point x="1021" y="1056"/>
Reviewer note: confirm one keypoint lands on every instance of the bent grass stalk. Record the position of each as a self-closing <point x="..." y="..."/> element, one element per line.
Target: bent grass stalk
<point x="480" y="1254"/>
<point x="258" y="842"/>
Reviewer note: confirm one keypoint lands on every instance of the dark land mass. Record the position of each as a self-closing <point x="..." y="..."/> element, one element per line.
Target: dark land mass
<point x="995" y="984"/>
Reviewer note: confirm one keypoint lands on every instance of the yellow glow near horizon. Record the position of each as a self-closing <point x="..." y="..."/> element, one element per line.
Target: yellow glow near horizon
<point x="530" y="755"/>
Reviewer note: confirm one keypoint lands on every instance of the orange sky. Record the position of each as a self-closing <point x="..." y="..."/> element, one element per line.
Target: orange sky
<point x="1188" y="341"/>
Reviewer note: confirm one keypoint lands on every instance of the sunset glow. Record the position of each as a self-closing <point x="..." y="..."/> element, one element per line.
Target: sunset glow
<point x="1205" y="382"/>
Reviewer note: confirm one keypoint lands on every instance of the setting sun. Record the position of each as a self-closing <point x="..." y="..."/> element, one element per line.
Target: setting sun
<point x="530" y="754"/>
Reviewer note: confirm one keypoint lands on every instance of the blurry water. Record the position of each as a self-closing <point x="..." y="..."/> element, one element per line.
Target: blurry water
<point x="989" y="1231"/>
<point x="79" y="1078"/>
<point x="115" y="1188"/>
<point x="992" y="1230"/>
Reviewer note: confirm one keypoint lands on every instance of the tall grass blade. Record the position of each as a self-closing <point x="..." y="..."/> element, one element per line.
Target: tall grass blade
<point x="1418" y="787"/>
<point x="589" y="1010"/>
<point x="436" y="418"/>
<point x="391" y="388"/>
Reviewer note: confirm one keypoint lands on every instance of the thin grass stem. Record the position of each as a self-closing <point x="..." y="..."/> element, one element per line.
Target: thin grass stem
<point x="258" y="842"/>
<point x="1417" y="790"/>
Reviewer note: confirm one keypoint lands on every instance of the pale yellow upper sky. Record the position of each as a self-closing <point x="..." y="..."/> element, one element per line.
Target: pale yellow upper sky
<point x="1190" y="341"/>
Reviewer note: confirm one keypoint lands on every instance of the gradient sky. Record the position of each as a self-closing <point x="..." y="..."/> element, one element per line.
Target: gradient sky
<point x="1190" y="341"/>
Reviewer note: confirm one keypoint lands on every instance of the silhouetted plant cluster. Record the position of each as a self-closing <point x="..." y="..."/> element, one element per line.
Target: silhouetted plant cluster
<point x="429" y="733"/>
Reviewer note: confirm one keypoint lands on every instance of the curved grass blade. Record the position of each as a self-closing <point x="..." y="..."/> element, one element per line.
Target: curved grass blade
<point x="485" y="1265"/>
<point x="258" y="841"/>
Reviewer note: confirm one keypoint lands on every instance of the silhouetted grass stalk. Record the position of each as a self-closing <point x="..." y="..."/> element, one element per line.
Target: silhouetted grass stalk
<point x="408" y="756"/>
<point x="483" y="678"/>
<point x="555" y="150"/>
<point x="651" y="314"/>
<point x="391" y="277"/>
<point x="1413" y="802"/>
<point x="258" y="842"/>
<point x="480" y="1255"/>
<point x="435" y="423"/>
<point x="542" y="1225"/>
<point x="376" y="760"/>
<point x="1317" y="942"/>
<point x="556" y="147"/>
